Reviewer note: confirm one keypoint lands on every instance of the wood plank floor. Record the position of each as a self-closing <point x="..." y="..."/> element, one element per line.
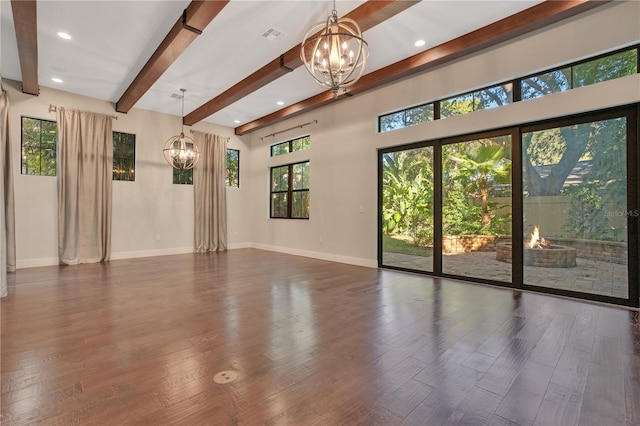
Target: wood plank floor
<point x="313" y="343"/>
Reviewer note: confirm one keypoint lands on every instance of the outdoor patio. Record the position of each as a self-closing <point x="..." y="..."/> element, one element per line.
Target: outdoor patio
<point x="589" y="276"/>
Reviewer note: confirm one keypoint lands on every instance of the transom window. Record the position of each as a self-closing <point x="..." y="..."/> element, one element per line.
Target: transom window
<point x="490" y="97"/>
<point x="292" y="145"/>
<point x="406" y="118"/>
<point x="578" y="74"/>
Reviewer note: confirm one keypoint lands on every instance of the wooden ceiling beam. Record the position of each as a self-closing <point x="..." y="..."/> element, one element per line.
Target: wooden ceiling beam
<point x="536" y="17"/>
<point x="366" y="15"/>
<point x="193" y="21"/>
<point x="25" y="20"/>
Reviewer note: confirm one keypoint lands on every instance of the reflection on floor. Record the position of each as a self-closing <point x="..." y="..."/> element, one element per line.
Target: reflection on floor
<point x="589" y="276"/>
<point x="313" y="342"/>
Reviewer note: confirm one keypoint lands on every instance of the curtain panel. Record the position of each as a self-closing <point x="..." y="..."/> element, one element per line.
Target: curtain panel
<point x="210" y="193"/>
<point x="7" y="210"/>
<point x="85" y="168"/>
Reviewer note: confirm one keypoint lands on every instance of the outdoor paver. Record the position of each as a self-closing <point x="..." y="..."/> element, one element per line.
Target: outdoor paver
<point x="589" y="276"/>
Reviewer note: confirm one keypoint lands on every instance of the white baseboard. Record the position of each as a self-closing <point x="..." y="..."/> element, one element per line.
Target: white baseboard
<point x="35" y="263"/>
<point x="238" y="246"/>
<point x="52" y="261"/>
<point x="358" y="261"/>
<point x="150" y="253"/>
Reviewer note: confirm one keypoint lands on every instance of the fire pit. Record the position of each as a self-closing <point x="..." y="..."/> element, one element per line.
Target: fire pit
<point x="540" y="252"/>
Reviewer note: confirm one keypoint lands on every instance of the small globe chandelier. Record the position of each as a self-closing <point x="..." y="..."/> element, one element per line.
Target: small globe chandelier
<point x="334" y="52"/>
<point x="181" y="151"/>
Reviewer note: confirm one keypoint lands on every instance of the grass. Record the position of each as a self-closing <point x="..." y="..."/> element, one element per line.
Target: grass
<point x="403" y="245"/>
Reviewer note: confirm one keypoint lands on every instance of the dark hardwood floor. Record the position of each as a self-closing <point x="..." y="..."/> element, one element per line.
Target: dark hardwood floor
<point x="313" y="343"/>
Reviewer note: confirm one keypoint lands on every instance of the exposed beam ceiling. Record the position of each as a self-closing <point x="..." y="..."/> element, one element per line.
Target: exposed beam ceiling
<point x="194" y="20"/>
<point x="26" y="24"/>
<point x="518" y="24"/>
<point x="367" y="15"/>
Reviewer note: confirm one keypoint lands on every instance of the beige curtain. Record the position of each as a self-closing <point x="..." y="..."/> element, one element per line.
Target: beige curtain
<point x="7" y="212"/>
<point x="210" y="193"/>
<point x="85" y="168"/>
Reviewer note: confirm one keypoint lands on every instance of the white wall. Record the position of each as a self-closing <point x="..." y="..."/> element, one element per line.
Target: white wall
<point x="344" y="142"/>
<point x="343" y="222"/>
<point x="151" y="216"/>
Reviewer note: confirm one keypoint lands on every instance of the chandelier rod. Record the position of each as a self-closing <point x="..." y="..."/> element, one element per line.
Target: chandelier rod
<point x="182" y="118"/>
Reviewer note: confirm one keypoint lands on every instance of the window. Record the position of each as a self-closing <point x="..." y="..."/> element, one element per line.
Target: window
<point x="581" y="74"/>
<point x="124" y="156"/>
<point x="490" y="97"/>
<point x="297" y="144"/>
<point x="39" y="147"/>
<point x="184" y="177"/>
<point x="578" y="74"/>
<point x="290" y="191"/>
<point x="233" y="168"/>
<point x="405" y="118"/>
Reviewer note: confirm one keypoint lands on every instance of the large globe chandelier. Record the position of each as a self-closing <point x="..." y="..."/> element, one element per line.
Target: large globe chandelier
<point x="334" y="52"/>
<point x="180" y="151"/>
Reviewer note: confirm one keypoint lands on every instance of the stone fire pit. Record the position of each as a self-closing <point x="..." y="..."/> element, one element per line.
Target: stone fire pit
<point x="553" y="256"/>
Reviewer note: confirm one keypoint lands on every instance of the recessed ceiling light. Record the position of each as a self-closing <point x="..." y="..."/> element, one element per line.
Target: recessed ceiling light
<point x="236" y="121"/>
<point x="419" y="43"/>
<point x="280" y="103"/>
<point x="64" y="35"/>
<point x="57" y="80"/>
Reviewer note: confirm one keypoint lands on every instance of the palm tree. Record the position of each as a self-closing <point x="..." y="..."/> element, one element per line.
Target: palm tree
<point x="479" y="169"/>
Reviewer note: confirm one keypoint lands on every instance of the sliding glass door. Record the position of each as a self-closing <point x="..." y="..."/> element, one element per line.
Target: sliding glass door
<point x="476" y="207"/>
<point x="407" y="209"/>
<point x="549" y="206"/>
<point x="576" y="208"/>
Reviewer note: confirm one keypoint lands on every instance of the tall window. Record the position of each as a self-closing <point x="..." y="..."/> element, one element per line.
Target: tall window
<point x="124" y="156"/>
<point x="38" y="147"/>
<point x="184" y="177"/>
<point x="292" y="145"/>
<point x="233" y="168"/>
<point x="290" y="191"/>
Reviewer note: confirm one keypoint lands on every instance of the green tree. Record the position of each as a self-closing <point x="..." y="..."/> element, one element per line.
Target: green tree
<point x="408" y="194"/>
<point x="585" y="218"/>
<point x="39" y="147"/>
<point x="572" y="143"/>
<point x="480" y="168"/>
<point x="472" y="171"/>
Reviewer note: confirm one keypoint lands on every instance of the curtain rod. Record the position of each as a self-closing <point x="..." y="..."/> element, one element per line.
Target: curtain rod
<point x="299" y="126"/>
<point x="194" y="131"/>
<point x="54" y="108"/>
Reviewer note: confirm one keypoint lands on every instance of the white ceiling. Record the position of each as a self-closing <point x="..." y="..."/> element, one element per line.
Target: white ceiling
<point x="112" y="40"/>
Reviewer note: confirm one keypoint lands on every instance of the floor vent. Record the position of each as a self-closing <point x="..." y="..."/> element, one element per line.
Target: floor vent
<point x="224" y="377"/>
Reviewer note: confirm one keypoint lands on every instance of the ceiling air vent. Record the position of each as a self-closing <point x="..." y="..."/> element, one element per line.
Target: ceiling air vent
<point x="176" y="95"/>
<point x="272" y="33"/>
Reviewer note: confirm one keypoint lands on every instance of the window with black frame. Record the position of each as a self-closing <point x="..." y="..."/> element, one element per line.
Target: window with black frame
<point x="124" y="156"/>
<point x="38" y="147"/>
<point x="290" y="191"/>
<point x="182" y="177"/>
<point x="297" y="144"/>
<point x="233" y="168"/>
